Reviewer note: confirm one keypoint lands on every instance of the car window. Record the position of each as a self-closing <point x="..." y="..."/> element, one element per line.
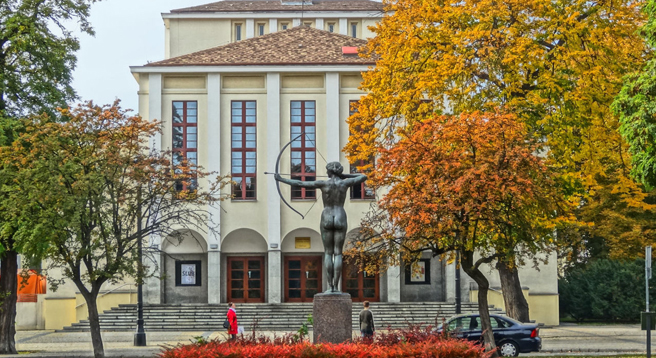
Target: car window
<point x="502" y="322"/>
<point x="460" y="324"/>
<point x="476" y="323"/>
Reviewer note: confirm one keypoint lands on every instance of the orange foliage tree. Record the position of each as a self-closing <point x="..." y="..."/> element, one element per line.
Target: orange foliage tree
<point x="555" y="65"/>
<point x="470" y="183"/>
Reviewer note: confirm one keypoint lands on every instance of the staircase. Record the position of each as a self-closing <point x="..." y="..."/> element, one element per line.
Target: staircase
<point x="268" y="317"/>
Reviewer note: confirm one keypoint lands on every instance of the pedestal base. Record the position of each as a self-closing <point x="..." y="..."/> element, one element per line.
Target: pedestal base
<point x="332" y="315"/>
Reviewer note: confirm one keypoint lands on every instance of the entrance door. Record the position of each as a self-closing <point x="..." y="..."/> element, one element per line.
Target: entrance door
<point x="246" y="279"/>
<point x="302" y="278"/>
<point x="360" y="285"/>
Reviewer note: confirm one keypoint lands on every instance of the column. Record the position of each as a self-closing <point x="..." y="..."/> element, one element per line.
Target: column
<point x="394" y="284"/>
<point x="333" y="147"/>
<point x="155" y="107"/>
<point x="450" y="281"/>
<point x="343" y="26"/>
<point x="212" y="141"/>
<point x="273" y="25"/>
<point x="296" y="22"/>
<point x="319" y="24"/>
<point x="152" y="287"/>
<point x="250" y="28"/>
<point x="273" y="147"/>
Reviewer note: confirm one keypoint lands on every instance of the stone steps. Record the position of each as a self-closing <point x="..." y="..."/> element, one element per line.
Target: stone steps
<point x="266" y="317"/>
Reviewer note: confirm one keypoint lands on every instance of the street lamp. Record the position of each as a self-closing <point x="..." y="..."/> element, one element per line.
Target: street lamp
<point x="140" y="335"/>
<point x="458" y="298"/>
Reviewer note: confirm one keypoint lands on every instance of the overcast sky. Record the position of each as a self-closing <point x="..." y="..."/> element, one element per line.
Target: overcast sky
<point x="128" y="33"/>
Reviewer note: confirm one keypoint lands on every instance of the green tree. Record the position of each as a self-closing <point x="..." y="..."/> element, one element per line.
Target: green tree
<point x="36" y="62"/>
<point x="89" y="190"/>
<point x="636" y="106"/>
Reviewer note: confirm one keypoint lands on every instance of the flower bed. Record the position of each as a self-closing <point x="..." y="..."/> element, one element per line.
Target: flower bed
<point x="412" y="342"/>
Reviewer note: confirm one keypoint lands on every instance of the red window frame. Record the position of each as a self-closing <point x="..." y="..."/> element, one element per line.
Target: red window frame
<point x="243" y="144"/>
<point x="184" y="136"/>
<point x="360" y="191"/>
<point x="303" y="159"/>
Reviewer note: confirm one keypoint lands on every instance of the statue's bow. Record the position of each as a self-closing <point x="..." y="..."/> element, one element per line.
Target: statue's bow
<point x="278" y="173"/>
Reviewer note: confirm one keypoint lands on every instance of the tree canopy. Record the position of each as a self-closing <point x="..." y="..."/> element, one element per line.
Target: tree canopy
<point x="89" y="189"/>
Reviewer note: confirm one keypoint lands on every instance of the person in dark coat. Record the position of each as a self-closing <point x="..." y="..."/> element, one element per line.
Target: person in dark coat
<point x="232" y="319"/>
<point x="367" y="321"/>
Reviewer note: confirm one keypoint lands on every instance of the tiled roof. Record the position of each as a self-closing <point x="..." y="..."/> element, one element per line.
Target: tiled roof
<point x="277" y="5"/>
<point x="301" y="45"/>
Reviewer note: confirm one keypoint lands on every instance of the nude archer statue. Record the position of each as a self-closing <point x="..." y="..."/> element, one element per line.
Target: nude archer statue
<point x="333" y="216"/>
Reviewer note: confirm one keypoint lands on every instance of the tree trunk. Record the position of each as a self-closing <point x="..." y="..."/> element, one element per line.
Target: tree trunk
<point x="8" y="294"/>
<point x="468" y="266"/>
<point x="516" y="305"/>
<point x="94" y="324"/>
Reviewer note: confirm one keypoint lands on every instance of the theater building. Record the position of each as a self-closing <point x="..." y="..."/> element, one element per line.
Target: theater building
<point x="238" y="81"/>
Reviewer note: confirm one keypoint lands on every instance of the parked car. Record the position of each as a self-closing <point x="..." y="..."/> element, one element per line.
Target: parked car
<point x="511" y="337"/>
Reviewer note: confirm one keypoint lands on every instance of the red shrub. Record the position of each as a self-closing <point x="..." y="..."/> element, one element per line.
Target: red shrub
<point x="412" y="342"/>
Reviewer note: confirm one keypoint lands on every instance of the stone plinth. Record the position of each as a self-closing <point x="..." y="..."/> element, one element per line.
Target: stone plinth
<point x="332" y="317"/>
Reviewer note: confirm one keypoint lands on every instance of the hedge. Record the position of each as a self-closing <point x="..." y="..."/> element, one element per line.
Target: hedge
<point x="607" y="290"/>
<point x="404" y="343"/>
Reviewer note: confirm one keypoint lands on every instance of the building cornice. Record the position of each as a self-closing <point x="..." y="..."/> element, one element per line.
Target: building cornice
<point x="250" y="69"/>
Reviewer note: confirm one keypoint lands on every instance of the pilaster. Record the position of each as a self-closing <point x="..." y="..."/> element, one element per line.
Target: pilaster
<point x="212" y="142"/>
<point x="273" y="199"/>
<point x="343" y="26"/>
<point x="394" y="284"/>
<point x="333" y="147"/>
<point x="155" y="107"/>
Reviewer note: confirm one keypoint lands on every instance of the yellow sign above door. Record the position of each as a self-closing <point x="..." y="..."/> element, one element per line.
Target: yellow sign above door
<point x="303" y="243"/>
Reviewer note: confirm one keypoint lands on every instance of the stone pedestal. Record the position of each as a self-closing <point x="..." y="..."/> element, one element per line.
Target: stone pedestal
<point x="332" y="315"/>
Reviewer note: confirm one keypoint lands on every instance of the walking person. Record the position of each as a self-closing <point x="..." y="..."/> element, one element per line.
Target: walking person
<point x="367" y="322"/>
<point x="232" y="320"/>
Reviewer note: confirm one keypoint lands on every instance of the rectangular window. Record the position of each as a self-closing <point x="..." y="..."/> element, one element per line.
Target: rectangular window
<point x="283" y="26"/>
<point x="260" y="29"/>
<point x="308" y="24"/>
<point x="360" y="191"/>
<point x="354" y="29"/>
<point x="331" y="27"/>
<point x="244" y="149"/>
<point x="237" y="32"/>
<point x="303" y="152"/>
<point x="185" y="137"/>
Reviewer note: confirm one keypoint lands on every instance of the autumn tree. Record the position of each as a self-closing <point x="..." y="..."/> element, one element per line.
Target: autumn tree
<point x="468" y="182"/>
<point x="86" y="186"/>
<point x="555" y="65"/>
<point x="36" y="64"/>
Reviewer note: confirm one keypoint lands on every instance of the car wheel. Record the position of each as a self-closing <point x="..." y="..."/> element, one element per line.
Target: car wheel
<point x="509" y="349"/>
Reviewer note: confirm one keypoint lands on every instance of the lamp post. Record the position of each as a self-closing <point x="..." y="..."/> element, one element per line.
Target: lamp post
<point x="140" y="335"/>
<point x="458" y="298"/>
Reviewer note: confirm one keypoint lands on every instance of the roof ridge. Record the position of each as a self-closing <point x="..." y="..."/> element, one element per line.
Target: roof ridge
<point x="277" y="5"/>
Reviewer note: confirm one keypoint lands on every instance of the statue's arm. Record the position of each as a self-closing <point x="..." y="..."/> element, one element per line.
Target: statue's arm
<point x="293" y="182"/>
<point x="352" y="179"/>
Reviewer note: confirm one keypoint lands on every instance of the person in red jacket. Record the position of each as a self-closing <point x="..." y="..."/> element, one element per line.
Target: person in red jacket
<point x="232" y="319"/>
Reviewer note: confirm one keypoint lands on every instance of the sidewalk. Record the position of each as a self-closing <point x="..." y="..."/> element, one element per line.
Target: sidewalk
<point x="566" y="339"/>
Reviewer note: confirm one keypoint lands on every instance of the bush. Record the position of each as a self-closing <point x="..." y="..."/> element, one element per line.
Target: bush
<point x="412" y="342"/>
<point x="605" y="290"/>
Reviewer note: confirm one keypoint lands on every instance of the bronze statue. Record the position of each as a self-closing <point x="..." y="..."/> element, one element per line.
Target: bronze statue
<point x="333" y="216"/>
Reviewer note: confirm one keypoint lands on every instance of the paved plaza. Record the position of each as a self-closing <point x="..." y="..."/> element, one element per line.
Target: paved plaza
<point x="565" y="339"/>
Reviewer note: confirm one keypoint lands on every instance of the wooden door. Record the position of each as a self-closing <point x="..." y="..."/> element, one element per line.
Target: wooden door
<point x="360" y="285"/>
<point x="302" y="278"/>
<point x="246" y="279"/>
